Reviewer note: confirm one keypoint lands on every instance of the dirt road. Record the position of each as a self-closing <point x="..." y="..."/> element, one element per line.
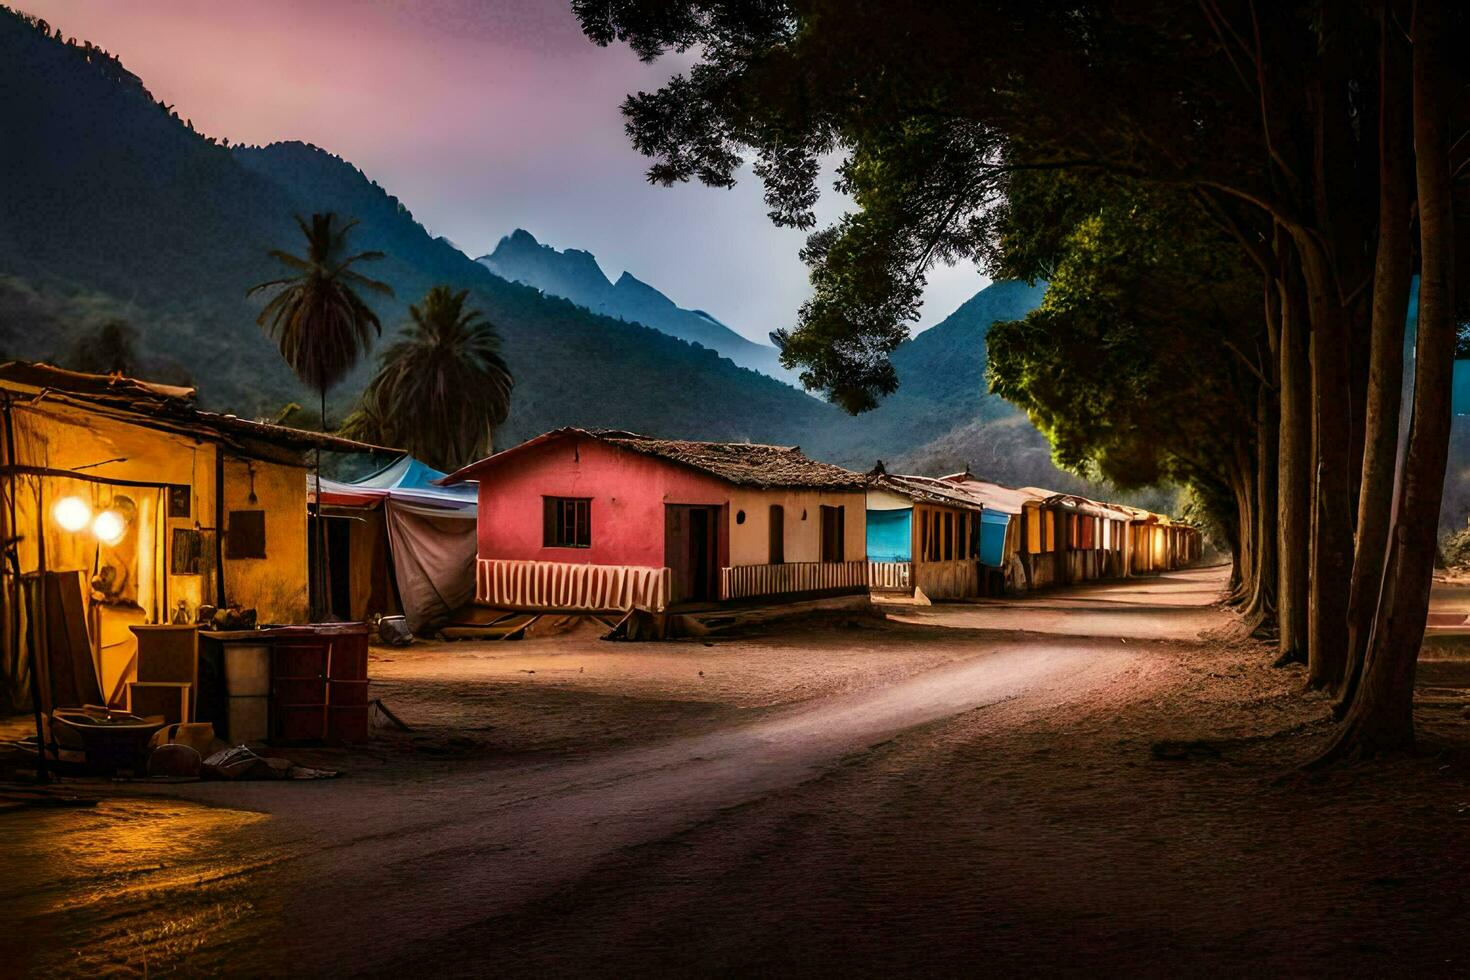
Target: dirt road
<point x="865" y="813"/>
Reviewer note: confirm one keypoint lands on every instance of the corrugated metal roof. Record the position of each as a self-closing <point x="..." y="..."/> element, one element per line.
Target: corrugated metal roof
<point x="926" y="489"/>
<point x="994" y="496"/>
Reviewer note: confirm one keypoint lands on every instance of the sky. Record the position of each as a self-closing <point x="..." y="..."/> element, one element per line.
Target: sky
<point x="481" y="117"/>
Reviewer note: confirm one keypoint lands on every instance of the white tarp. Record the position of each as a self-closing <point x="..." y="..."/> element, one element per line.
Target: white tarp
<point x="433" y="560"/>
<point x="431" y="534"/>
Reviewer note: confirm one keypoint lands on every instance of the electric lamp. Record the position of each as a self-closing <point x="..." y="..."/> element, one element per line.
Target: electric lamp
<point x="71" y="513"/>
<point x="109" y="527"/>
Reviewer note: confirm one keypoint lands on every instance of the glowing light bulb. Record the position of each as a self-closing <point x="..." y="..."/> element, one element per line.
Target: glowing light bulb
<point x="72" y="513"/>
<point x="109" y="527"/>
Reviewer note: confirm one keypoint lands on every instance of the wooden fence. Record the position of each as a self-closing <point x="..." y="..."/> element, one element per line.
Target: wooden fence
<point x="748" y="581"/>
<point x="891" y="576"/>
<point x="569" y="587"/>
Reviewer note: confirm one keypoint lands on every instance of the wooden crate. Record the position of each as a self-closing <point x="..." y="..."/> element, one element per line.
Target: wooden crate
<point x="167" y="698"/>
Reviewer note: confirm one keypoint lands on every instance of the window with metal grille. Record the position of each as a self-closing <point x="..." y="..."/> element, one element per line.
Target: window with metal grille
<point x="567" y="522"/>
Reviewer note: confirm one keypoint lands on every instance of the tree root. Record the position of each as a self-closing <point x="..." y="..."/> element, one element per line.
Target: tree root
<point x="1185" y="750"/>
<point x="1352" y="746"/>
<point x="1289" y="657"/>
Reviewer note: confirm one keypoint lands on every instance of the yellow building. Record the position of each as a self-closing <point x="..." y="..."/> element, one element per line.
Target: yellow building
<point x="137" y="508"/>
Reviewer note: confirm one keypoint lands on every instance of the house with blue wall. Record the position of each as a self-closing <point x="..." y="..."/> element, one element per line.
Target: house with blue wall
<point x="924" y="537"/>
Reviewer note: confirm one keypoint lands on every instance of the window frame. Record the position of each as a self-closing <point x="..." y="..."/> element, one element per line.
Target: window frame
<point x="554" y="523"/>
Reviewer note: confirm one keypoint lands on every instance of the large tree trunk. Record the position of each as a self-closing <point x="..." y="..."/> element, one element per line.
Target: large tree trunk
<point x="1293" y="470"/>
<point x="1381" y="717"/>
<point x="1242" y="485"/>
<point x="1263" y="603"/>
<point x="1332" y="529"/>
<point x="1392" y="276"/>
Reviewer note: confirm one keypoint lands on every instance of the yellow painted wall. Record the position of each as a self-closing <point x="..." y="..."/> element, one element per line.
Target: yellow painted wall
<point x="750" y="541"/>
<point x="276" y="585"/>
<point x="57" y="436"/>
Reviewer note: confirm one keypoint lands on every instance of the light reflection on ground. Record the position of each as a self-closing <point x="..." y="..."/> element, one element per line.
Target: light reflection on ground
<point x="127" y="887"/>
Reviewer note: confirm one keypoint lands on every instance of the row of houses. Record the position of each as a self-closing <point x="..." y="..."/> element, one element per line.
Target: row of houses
<point x="580" y="520"/>
<point x="124" y="505"/>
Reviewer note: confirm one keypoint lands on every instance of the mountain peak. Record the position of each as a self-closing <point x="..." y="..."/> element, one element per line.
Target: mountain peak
<point x="575" y="275"/>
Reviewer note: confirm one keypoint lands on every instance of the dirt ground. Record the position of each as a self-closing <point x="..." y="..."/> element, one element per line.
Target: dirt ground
<point x="1099" y="781"/>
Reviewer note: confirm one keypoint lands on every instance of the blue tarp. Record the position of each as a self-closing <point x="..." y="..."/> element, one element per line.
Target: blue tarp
<point x="409" y="482"/>
<point x="993" y="537"/>
<point x="890" y="535"/>
<point x="407" y="473"/>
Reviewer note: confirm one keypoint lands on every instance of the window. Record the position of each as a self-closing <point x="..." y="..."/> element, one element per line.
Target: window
<point x="245" y="537"/>
<point x="187" y="551"/>
<point x="778" y="534"/>
<point x="567" y="522"/>
<point x="948" y="536"/>
<point x="833" y="533"/>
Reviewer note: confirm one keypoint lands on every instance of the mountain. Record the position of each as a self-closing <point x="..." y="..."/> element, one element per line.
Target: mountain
<point x="128" y="212"/>
<point x="575" y="275"/>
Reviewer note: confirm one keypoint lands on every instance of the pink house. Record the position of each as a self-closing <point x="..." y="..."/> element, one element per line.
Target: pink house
<point x="602" y="521"/>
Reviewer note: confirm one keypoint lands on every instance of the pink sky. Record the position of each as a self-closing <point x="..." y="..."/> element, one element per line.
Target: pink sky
<point x="480" y="116"/>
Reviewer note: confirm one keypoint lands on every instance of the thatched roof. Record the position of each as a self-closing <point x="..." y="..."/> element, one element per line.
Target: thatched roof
<point x="745" y="464"/>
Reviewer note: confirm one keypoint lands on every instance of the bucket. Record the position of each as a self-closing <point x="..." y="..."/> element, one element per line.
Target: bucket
<point x="248" y="718"/>
<point x="247" y="669"/>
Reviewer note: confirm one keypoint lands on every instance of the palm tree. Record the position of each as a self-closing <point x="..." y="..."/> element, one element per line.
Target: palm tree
<point x="442" y="389"/>
<point x="316" y="317"/>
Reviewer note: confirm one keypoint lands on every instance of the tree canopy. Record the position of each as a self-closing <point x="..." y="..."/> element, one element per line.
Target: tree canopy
<point x="1240" y="184"/>
<point x="441" y="390"/>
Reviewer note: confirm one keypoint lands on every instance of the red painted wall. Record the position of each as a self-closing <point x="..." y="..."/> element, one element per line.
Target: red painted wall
<point x="628" y="492"/>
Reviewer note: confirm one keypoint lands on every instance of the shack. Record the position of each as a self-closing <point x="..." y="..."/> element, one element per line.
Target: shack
<point x="397" y="542"/>
<point x="1095" y="536"/>
<point x="1031" y="545"/>
<point x="579" y="520"/>
<point x="1160" y="544"/>
<point x="1003" y="538"/>
<point x="123" y="505"/>
<point x="924" y="537"/>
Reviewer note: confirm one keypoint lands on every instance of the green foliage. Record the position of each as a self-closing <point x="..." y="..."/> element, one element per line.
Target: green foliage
<point x="442" y="389"/>
<point x="318" y="321"/>
<point x="913" y="186"/>
<point x="1125" y="373"/>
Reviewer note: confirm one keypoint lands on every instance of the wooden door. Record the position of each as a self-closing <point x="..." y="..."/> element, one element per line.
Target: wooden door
<point x="691" y="551"/>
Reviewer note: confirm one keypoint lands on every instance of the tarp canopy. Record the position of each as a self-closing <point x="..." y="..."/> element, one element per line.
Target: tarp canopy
<point x="410" y="484"/>
<point x="431" y="534"/>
